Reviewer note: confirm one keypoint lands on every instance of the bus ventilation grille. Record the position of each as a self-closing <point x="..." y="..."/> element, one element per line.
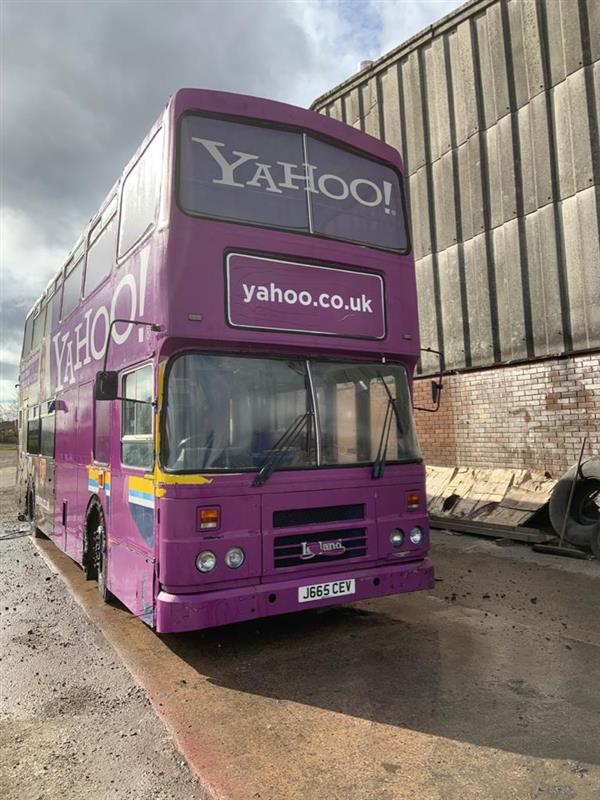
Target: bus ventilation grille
<point x="314" y="548"/>
<point x="291" y="517"/>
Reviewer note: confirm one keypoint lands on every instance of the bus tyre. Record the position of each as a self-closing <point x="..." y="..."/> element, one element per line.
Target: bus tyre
<point x="595" y="544"/>
<point x="101" y="559"/>
<point x="95" y="550"/>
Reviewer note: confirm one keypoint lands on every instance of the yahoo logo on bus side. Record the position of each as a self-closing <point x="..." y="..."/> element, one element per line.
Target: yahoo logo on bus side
<point x="292" y="176"/>
<point x="88" y="340"/>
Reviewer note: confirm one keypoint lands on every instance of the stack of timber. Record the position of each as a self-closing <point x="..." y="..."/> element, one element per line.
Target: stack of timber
<point x="488" y="502"/>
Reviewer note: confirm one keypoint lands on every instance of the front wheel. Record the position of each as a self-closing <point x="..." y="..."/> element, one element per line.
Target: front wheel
<point x="95" y="558"/>
<point x="101" y="559"/>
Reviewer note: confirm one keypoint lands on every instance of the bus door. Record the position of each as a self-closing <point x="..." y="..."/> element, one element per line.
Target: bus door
<point x="45" y="473"/>
<point x="73" y="455"/>
<point x="66" y="466"/>
<point x="131" y="530"/>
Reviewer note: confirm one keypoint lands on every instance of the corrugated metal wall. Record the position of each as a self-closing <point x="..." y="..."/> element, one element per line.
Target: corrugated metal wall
<point x="496" y="111"/>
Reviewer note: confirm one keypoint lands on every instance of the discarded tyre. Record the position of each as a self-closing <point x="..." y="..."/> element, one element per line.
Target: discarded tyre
<point x="583" y="520"/>
<point x="595" y="543"/>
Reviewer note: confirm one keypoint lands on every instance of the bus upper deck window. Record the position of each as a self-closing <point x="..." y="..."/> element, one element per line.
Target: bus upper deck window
<point x="72" y="289"/>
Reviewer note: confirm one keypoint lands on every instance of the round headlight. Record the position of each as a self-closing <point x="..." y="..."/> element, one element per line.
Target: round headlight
<point x="235" y="557"/>
<point x="397" y="537"/>
<point x="206" y="561"/>
<point x="416" y="535"/>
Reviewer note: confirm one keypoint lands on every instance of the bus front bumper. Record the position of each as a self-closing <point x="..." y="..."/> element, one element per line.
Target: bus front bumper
<point x="176" y="613"/>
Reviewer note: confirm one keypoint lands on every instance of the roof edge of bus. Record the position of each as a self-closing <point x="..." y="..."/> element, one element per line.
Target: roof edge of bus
<point x="321" y="123"/>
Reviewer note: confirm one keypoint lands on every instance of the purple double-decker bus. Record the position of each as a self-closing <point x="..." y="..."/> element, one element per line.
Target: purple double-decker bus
<point x="215" y="389"/>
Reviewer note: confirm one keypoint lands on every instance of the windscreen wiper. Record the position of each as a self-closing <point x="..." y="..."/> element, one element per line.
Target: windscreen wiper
<point x="281" y="447"/>
<point x="379" y="463"/>
<point x="391" y="411"/>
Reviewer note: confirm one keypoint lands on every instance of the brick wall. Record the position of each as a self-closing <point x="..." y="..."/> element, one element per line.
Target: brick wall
<point x="524" y="416"/>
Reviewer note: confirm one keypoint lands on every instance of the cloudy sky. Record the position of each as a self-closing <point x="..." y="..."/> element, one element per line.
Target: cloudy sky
<point x="82" y="81"/>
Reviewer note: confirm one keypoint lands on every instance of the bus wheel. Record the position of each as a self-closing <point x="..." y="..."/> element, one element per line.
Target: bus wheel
<point x="101" y="558"/>
<point x="94" y="554"/>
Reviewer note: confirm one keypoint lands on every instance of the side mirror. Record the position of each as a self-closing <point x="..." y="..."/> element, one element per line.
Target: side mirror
<point x="107" y="385"/>
<point x="435" y="392"/>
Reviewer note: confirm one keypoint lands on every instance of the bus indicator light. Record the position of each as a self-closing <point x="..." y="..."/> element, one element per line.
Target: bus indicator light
<point x="208" y="518"/>
<point x="413" y="501"/>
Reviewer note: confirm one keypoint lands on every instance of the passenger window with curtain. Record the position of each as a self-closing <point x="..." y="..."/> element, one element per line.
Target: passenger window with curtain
<point x="140" y="196"/>
<point x="136" y="420"/>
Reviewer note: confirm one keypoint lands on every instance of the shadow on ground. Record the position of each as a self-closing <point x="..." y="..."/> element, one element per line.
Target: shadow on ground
<point x="494" y="685"/>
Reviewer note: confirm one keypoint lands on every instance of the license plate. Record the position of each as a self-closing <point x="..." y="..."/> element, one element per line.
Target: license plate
<point x="319" y="591"/>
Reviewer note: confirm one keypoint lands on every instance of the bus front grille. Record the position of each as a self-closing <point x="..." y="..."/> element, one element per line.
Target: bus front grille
<point x="314" y="548"/>
<point x="291" y="517"/>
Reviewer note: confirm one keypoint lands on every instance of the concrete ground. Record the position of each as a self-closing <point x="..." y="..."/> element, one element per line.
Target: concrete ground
<point x="487" y="687"/>
<point x="73" y="723"/>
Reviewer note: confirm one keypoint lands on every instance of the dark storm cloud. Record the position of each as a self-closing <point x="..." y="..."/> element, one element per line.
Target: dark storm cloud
<point x="85" y="81"/>
<point x="81" y="84"/>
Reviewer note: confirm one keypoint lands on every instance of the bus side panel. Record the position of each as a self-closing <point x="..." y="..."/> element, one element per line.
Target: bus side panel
<point x="44" y="494"/>
<point x="66" y="467"/>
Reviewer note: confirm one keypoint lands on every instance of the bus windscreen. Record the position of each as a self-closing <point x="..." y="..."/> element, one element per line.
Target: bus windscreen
<point x="286" y="179"/>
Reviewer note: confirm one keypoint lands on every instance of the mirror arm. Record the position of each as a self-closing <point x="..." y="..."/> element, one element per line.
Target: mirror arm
<point x="439" y="383"/>
<point x="152" y="325"/>
<point x="152" y="403"/>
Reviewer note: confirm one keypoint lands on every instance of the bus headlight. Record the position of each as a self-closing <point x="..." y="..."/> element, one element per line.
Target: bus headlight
<point x="397" y="537"/>
<point x="206" y="561"/>
<point x="416" y="535"/>
<point x="235" y="557"/>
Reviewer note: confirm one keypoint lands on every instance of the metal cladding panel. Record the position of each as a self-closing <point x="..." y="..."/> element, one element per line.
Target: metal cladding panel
<point x="542" y="259"/>
<point x="593" y="19"/>
<point x="390" y="99"/>
<point x="564" y="38"/>
<point x="445" y="210"/>
<point x="426" y="299"/>
<point x="370" y="106"/>
<point x="478" y="302"/>
<point x="449" y="272"/>
<point x="438" y="109"/>
<point x="528" y="148"/>
<point x="540" y="138"/>
<point x="496" y="110"/>
<point x="419" y="204"/>
<point x="580" y="222"/>
<point x="510" y="292"/>
<point x="353" y="111"/>
<point x="497" y="83"/>
<point x="517" y="57"/>
<point x="335" y="110"/>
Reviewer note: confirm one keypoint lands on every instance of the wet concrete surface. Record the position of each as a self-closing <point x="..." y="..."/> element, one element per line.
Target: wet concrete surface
<point x="73" y="723"/>
<point x="487" y="687"/>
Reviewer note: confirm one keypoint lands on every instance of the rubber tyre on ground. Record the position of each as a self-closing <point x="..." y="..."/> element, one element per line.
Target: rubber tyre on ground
<point x="583" y="521"/>
<point x="595" y="544"/>
<point x="95" y="559"/>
